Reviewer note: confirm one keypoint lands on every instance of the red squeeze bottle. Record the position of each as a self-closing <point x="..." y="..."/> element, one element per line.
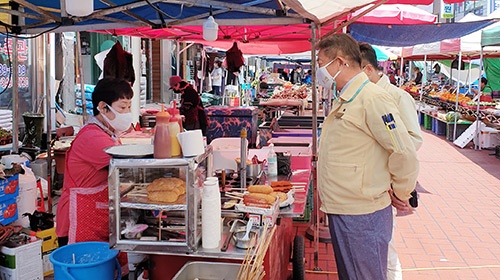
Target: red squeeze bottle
<point x="162" y="140"/>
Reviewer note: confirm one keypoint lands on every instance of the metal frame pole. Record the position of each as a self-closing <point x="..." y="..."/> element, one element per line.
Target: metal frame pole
<point x="457" y="93"/>
<point x="15" y="96"/>
<point x="477" y="145"/>
<point x="314" y="143"/>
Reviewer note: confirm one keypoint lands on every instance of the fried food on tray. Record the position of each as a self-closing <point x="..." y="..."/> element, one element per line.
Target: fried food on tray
<point x="165" y="184"/>
<point x="260" y="189"/>
<point x="281" y="196"/>
<point x="166" y="190"/>
<point x="269" y="198"/>
<point x="166" y="196"/>
<point x="281" y="186"/>
<point x="252" y="201"/>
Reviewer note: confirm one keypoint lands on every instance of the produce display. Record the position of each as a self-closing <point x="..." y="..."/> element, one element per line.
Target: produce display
<point x="291" y="91"/>
<point x="482" y="104"/>
<point x="449" y="97"/>
<point x="452" y="116"/>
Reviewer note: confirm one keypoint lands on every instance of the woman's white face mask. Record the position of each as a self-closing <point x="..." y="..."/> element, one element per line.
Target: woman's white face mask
<point x="121" y="122"/>
<point x="324" y="78"/>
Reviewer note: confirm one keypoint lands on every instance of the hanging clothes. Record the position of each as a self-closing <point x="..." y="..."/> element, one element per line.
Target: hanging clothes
<point x="119" y="64"/>
<point x="234" y="60"/>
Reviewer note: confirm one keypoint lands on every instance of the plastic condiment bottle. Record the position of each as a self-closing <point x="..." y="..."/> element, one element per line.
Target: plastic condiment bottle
<point x="174" y="129"/>
<point x="162" y="141"/>
<point x="176" y="113"/>
<point x="272" y="162"/>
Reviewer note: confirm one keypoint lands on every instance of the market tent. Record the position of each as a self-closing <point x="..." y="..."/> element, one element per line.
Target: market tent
<point x="279" y="37"/>
<point x="394" y="14"/>
<point x="435" y="51"/>
<point x="382" y="55"/>
<point x="43" y="15"/>
<point x="410" y="35"/>
<point x="469" y="45"/>
<point x="490" y="36"/>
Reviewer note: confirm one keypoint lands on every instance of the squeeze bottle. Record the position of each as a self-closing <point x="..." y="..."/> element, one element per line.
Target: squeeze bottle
<point x="174" y="112"/>
<point x="162" y="140"/>
<point x="174" y="129"/>
<point x="272" y="162"/>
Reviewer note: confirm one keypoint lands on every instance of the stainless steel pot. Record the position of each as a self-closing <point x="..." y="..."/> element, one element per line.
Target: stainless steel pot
<point x="253" y="170"/>
<point x="244" y="244"/>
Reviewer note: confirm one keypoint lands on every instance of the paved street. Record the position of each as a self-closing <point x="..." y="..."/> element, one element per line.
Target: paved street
<point x="455" y="231"/>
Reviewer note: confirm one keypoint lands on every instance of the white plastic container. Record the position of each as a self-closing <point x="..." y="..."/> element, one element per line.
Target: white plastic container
<point x="272" y="162"/>
<point x="210" y="214"/>
<point x="489" y="138"/>
<point x="27" y="199"/>
<point x="225" y="151"/>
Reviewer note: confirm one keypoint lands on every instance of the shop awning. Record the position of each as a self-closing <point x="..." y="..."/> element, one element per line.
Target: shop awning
<point x="395" y="14"/>
<point x="490" y="37"/>
<point x="43" y="15"/>
<point x="410" y="35"/>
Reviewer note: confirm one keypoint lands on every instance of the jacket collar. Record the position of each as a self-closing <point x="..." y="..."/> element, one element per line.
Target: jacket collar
<point x="352" y="86"/>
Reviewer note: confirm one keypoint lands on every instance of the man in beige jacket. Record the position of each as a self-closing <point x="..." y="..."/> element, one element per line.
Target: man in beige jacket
<point x="364" y="148"/>
<point x="407" y="110"/>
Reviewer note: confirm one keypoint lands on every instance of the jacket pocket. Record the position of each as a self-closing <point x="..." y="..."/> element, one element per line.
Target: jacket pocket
<point x="343" y="182"/>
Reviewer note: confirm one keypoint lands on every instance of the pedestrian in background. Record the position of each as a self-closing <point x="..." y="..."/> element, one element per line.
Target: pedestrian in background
<point x="217" y="77"/>
<point x="406" y="106"/>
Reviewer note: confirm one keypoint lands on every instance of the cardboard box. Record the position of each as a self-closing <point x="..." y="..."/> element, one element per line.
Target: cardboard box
<point x="49" y="244"/>
<point x="23" y="262"/>
<point x="48" y="267"/>
<point x="8" y="211"/>
<point x="9" y="188"/>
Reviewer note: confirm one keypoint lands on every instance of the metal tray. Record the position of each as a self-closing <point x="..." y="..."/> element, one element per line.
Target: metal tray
<point x="208" y="270"/>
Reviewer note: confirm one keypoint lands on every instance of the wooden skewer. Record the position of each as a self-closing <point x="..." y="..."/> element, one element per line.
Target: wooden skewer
<point x="257" y="265"/>
<point x="233" y="196"/>
<point x="238" y="194"/>
<point x="244" y="263"/>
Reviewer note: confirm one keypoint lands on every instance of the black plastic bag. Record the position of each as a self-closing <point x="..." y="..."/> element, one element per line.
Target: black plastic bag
<point x="284" y="164"/>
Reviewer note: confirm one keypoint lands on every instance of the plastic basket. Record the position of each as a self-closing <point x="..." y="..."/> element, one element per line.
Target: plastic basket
<point x="427" y="122"/>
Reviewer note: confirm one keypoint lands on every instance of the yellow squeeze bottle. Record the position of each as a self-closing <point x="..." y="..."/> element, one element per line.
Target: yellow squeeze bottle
<point x="174" y="129"/>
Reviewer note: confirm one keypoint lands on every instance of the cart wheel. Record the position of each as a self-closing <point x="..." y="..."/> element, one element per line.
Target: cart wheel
<point x="298" y="258"/>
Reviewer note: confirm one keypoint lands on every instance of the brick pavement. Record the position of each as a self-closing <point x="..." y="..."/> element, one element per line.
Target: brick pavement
<point x="454" y="233"/>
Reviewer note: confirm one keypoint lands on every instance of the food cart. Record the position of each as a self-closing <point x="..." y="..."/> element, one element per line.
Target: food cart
<point x="170" y="233"/>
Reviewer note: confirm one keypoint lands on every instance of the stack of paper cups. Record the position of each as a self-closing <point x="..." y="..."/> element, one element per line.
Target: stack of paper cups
<point x="211" y="214"/>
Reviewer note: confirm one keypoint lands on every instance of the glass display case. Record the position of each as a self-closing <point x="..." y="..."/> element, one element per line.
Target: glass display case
<point x="155" y="204"/>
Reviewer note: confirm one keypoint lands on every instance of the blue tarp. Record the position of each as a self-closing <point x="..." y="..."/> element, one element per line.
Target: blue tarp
<point x="226" y="10"/>
<point x="410" y="35"/>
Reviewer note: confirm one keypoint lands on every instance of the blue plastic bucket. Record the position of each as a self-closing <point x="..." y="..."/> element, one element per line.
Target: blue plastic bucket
<point x="84" y="260"/>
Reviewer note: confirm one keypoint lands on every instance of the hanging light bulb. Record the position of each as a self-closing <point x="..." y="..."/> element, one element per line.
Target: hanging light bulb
<point x="210" y="29"/>
<point x="79" y="8"/>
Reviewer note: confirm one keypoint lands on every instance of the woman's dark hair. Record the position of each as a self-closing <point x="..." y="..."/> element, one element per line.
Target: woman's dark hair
<point x="484" y="80"/>
<point x="109" y="91"/>
<point x="219" y="63"/>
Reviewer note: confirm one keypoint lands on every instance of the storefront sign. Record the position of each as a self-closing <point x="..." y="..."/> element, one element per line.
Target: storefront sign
<point x="6" y="52"/>
<point x="446" y="10"/>
<point x="25" y="81"/>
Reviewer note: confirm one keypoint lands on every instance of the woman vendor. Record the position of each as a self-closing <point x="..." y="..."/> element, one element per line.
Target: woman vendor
<point x="82" y="212"/>
<point x="191" y="105"/>
<point x="263" y="86"/>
